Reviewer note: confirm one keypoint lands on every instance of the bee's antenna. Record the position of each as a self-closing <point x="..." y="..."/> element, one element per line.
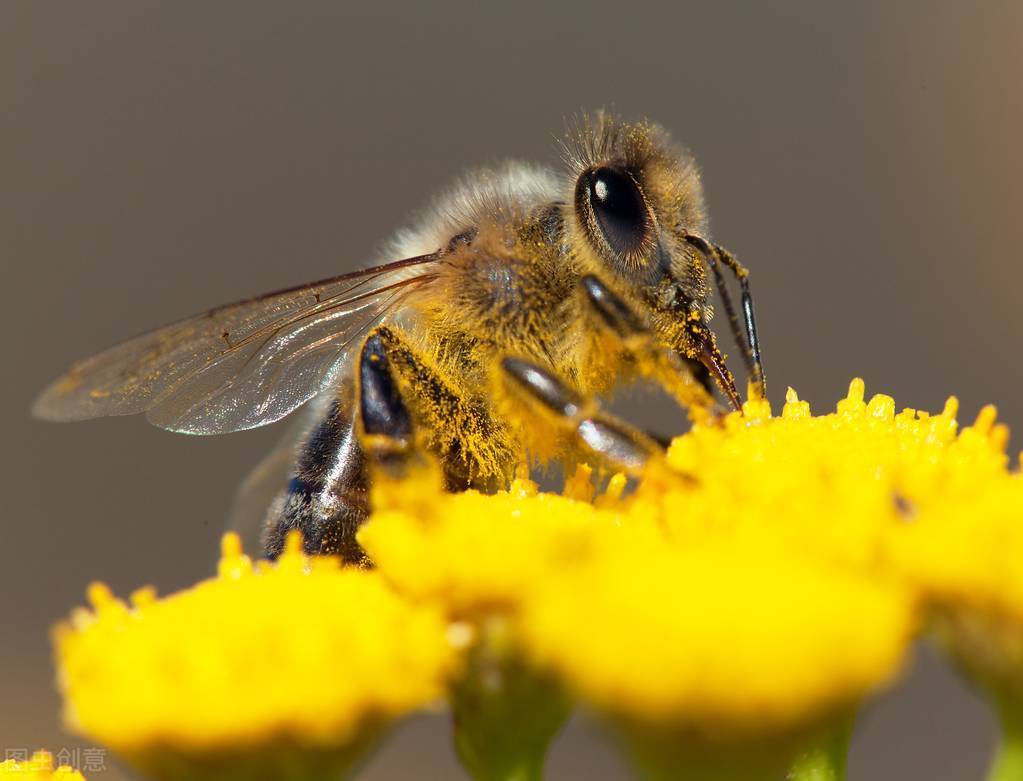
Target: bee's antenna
<point x="750" y="346"/>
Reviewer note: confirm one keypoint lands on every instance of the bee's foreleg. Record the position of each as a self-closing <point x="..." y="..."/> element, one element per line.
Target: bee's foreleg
<point x="714" y="255"/>
<point x="613" y="441"/>
<point x="669" y="369"/>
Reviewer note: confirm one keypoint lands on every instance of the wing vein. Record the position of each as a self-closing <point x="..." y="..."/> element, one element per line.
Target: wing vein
<point x="194" y="376"/>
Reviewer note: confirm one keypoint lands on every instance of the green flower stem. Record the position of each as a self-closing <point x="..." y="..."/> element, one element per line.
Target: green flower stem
<point x="274" y="760"/>
<point x="662" y="752"/>
<point x="665" y="755"/>
<point x="505" y="716"/>
<point x="825" y="759"/>
<point x="733" y="764"/>
<point x="1008" y="762"/>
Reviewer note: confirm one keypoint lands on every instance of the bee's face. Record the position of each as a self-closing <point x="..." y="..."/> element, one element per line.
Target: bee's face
<point x="636" y="199"/>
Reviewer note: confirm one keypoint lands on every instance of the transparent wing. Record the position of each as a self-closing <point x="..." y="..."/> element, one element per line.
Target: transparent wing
<point x="239" y="366"/>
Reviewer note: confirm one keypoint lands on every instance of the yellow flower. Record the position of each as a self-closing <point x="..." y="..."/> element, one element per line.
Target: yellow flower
<point x="39" y="767"/>
<point x="829" y="485"/>
<point x="717" y="653"/>
<point x="476" y="554"/>
<point x="965" y="556"/>
<point x="719" y="639"/>
<point x="746" y="591"/>
<point x="759" y="582"/>
<point x="963" y="553"/>
<point x="260" y="668"/>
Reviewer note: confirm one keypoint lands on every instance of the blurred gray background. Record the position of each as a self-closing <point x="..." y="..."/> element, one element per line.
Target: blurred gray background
<point x="159" y="158"/>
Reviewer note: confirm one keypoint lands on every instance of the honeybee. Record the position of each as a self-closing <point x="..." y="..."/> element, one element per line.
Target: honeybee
<point x="522" y="297"/>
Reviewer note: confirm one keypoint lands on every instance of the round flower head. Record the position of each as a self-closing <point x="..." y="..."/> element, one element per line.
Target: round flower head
<point x="720" y="660"/>
<point x="965" y="557"/>
<point x="719" y="639"/>
<point x="475" y="554"/>
<point x="264" y="667"/>
<point x="829" y="485"/>
<point x="38" y="767"/>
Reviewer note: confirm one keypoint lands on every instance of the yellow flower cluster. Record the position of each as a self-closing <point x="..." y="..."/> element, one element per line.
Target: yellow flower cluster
<point x="760" y="581"/>
<point x="756" y="582"/>
<point x="301" y="653"/>
<point x="39" y="767"/>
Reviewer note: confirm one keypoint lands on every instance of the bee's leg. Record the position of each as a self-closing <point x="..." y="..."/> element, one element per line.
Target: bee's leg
<point x="408" y="409"/>
<point x="664" y="366"/>
<point x="367" y="433"/>
<point x="387" y="433"/>
<point x="750" y="347"/>
<point x="386" y="426"/>
<point x="613" y="441"/>
<point x="700" y="373"/>
<point x="327" y="498"/>
<point x="379" y="428"/>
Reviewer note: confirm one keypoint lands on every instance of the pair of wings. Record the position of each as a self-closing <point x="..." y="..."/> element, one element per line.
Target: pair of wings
<point x="238" y="366"/>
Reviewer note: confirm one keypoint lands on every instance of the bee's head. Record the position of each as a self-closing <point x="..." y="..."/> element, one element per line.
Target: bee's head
<point x="637" y="212"/>
<point x="637" y="196"/>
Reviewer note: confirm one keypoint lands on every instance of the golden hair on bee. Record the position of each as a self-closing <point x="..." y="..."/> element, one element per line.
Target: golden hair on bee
<point x="482" y="343"/>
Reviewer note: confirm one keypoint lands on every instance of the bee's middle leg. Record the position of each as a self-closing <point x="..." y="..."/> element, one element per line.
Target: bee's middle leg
<point x="408" y="409"/>
<point x="612" y="441"/>
<point x="367" y="433"/>
<point x="686" y="379"/>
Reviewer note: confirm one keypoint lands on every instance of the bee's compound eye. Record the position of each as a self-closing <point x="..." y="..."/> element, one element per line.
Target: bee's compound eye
<point x="619" y="208"/>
